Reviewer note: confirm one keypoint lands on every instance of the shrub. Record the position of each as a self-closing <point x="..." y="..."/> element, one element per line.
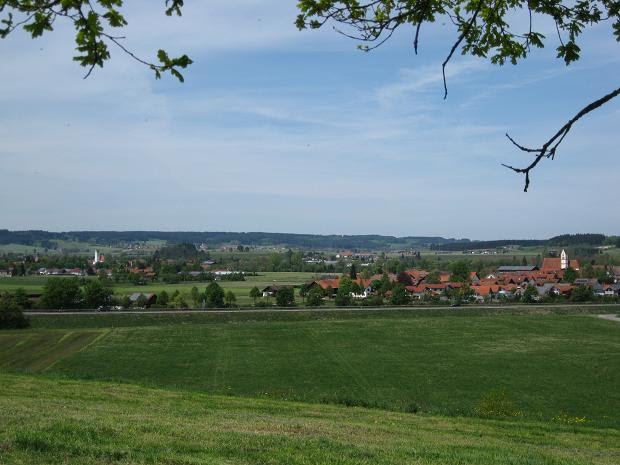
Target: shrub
<point x="315" y="297"/>
<point x="399" y="295"/>
<point x="285" y="297"/>
<point x="61" y="293"/>
<point x="582" y="294"/>
<point x="11" y="315"/>
<point x="214" y="296"/>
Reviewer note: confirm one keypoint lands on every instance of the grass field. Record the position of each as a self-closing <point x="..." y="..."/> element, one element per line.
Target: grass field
<point x="34" y="285"/>
<point x="241" y="289"/>
<point x="525" y="366"/>
<point x="83" y="422"/>
<point x="79" y="248"/>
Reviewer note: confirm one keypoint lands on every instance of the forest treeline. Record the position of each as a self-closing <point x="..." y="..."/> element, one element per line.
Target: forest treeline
<point x="45" y="239"/>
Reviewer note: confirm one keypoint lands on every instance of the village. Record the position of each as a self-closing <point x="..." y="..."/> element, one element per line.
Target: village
<point x="507" y="283"/>
<point x="171" y="278"/>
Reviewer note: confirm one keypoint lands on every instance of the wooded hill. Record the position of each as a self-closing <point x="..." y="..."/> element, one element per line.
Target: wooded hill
<point x="38" y="238"/>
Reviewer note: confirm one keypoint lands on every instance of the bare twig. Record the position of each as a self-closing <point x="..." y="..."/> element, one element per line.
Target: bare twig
<point x="550" y="147"/>
<point x="466" y="30"/>
<point x="417" y="35"/>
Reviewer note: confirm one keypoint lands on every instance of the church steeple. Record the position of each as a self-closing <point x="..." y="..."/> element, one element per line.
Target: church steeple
<point x="564" y="261"/>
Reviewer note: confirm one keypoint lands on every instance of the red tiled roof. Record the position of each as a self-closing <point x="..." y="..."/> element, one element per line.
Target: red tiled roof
<point x="486" y="290"/>
<point x="417" y="275"/>
<point x="363" y="282"/>
<point x="325" y="283"/>
<point x="426" y="287"/>
<point x="555" y="264"/>
<point x="563" y="288"/>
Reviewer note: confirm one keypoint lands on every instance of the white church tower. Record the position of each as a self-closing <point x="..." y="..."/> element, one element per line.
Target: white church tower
<point x="96" y="260"/>
<point x="564" y="261"/>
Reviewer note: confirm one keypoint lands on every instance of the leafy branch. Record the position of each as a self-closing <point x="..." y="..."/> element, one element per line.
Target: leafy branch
<point x="91" y="18"/>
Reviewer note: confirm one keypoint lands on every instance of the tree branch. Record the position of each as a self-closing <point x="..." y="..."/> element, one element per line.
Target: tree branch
<point x="550" y="147"/>
<point x="466" y="30"/>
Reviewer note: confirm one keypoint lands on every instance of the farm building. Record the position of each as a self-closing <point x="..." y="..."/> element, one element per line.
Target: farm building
<point x="273" y="289"/>
<point x="150" y="298"/>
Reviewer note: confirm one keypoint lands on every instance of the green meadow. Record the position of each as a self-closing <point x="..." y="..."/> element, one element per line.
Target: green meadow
<point x="524" y="366"/>
<point x="479" y="386"/>
<point x="34" y="285"/>
<point x="46" y="421"/>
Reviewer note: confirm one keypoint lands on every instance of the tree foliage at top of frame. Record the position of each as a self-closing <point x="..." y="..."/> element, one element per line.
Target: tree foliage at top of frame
<point x="93" y="21"/>
<point x="483" y="25"/>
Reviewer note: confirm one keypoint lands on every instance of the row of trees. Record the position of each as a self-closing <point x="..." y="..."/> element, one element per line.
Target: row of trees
<point x="63" y="293"/>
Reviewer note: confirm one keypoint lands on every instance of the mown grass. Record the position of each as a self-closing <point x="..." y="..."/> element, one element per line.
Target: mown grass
<point x="159" y="317"/>
<point x="523" y="366"/>
<point x="35" y="351"/>
<point x="81" y="422"/>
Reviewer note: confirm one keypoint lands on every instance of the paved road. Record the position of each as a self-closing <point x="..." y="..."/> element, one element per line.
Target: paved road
<point x="610" y="317"/>
<point x="311" y="310"/>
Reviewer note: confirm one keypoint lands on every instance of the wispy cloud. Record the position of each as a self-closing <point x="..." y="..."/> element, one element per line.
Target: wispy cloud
<point x="414" y="81"/>
<point x="279" y="130"/>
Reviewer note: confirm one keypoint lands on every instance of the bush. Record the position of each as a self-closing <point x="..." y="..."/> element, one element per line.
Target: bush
<point x="285" y="297"/>
<point x="374" y="301"/>
<point x="343" y="299"/>
<point x="399" y="295"/>
<point x="11" y="314"/>
<point x="582" y="294"/>
<point x="314" y="298"/>
<point x="214" y="296"/>
<point x="61" y="293"/>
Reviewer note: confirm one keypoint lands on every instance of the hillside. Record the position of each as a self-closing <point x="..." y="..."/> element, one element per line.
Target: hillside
<point x="84" y="422"/>
<point x="214" y="239"/>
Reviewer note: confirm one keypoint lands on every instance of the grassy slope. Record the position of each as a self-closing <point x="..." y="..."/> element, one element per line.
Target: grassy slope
<point x="540" y="366"/>
<point x="81" y="422"/>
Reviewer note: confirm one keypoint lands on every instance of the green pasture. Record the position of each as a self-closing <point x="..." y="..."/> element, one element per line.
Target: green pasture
<point x="534" y="367"/>
<point x="241" y="289"/>
<point x="162" y="317"/>
<point x="17" y="249"/>
<point x="86" y="423"/>
<point x="502" y="255"/>
<point x="80" y="248"/>
<point x="32" y="284"/>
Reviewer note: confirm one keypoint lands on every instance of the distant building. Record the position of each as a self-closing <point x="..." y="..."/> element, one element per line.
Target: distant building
<point x="559" y="264"/>
<point x="345" y="254"/>
<point x="99" y="258"/>
<point x="517" y="269"/>
<point x="273" y="289"/>
<point x="150" y="298"/>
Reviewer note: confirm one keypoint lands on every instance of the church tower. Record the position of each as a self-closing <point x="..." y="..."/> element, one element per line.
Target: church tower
<point x="564" y="261"/>
<point x="96" y="260"/>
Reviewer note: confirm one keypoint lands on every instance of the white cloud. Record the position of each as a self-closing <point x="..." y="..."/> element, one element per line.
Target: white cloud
<point x="419" y="80"/>
<point x="360" y="149"/>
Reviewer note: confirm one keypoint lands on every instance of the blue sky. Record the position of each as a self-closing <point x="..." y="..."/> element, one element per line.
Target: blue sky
<point x="287" y="131"/>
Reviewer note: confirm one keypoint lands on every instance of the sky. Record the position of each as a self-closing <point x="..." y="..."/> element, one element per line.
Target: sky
<point x="279" y="130"/>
